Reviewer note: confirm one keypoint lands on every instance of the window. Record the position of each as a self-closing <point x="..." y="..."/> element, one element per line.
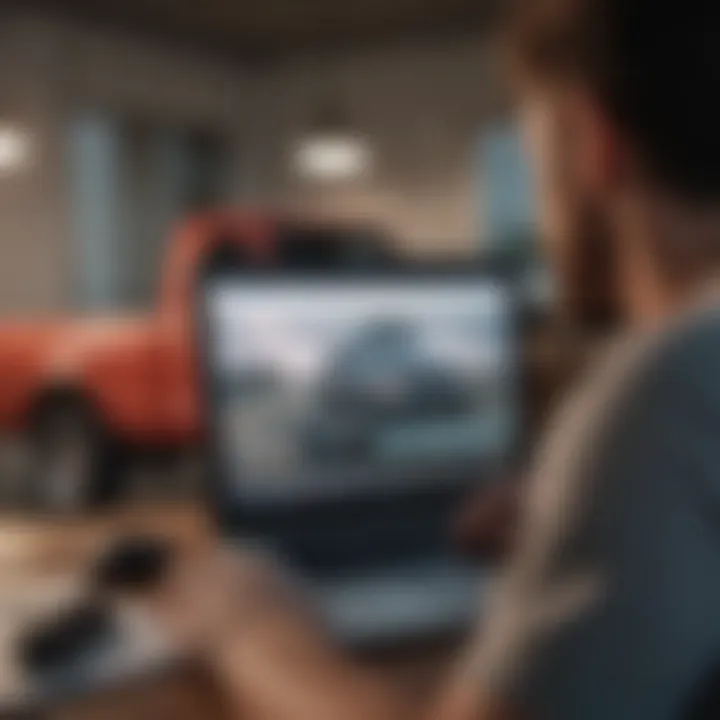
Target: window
<point x="132" y="179"/>
<point x="507" y="197"/>
<point x="509" y="231"/>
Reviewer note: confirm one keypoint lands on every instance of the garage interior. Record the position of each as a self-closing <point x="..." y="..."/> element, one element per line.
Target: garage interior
<point x="121" y="121"/>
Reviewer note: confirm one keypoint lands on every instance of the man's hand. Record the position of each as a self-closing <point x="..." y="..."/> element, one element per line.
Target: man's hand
<point x="255" y="628"/>
<point x="212" y="598"/>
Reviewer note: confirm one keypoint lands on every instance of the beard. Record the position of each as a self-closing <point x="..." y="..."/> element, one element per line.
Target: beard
<point x="588" y="273"/>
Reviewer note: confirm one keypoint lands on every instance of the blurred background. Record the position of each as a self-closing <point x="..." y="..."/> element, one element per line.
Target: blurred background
<point x="121" y="120"/>
<point x="125" y="125"/>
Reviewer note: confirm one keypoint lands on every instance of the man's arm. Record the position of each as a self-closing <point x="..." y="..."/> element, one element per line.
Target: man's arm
<point x="463" y="699"/>
<point x="605" y="606"/>
<point x="600" y="613"/>
<point x="287" y="672"/>
<point x="274" y="660"/>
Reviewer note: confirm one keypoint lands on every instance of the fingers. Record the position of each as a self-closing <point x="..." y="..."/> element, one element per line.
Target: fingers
<point x="213" y="598"/>
<point x="199" y="603"/>
<point x="205" y="595"/>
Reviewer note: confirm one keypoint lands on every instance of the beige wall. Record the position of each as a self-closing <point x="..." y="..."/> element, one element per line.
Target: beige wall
<point x="29" y="275"/>
<point x="423" y="107"/>
<point x="50" y="70"/>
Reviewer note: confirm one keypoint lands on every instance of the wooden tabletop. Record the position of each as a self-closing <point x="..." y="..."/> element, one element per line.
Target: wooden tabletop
<point x="43" y="563"/>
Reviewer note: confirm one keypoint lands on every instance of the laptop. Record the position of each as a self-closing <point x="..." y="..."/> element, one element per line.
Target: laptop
<point x="349" y="414"/>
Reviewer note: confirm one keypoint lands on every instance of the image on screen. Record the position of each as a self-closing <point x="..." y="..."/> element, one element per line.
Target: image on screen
<point x="334" y="387"/>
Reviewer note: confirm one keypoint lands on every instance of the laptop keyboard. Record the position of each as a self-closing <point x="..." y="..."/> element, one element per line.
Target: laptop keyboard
<point x="393" y="576"/>
<point x="402" y="602"/>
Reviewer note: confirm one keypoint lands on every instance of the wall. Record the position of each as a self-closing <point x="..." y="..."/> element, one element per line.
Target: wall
<point x="50" y="70"/>
<point x="29" y="275"/>
<point x="423" y="106"/>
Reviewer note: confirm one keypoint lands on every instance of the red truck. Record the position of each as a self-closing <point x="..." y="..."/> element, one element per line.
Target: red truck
<point x="84" y="391"/>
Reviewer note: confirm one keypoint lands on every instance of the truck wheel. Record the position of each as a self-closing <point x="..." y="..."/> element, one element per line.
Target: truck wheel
<point x="71" y="462"/>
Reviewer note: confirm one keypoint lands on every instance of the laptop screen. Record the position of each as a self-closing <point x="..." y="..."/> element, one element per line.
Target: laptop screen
<point x="323" y="388"/>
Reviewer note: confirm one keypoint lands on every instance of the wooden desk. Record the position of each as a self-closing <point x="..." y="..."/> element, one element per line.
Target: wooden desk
<point x="30" y="550"/>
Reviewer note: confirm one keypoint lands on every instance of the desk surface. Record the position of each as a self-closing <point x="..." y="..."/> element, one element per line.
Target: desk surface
<point x="42" y="563"/>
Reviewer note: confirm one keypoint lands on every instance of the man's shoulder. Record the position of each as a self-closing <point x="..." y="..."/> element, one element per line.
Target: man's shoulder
<point x="585" y="602"/>
<point x="678" y="356"/>
<point x="644" y="384"/>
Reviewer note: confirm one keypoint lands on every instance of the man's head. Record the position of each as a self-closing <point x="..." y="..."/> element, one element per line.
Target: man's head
<point x="618" y="97"/>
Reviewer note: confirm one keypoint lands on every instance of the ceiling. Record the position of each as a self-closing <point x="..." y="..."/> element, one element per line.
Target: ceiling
<point x="267" y="28"/>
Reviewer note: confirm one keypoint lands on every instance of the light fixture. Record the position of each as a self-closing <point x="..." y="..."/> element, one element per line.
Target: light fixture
<point x="332" y="157"/>
<point x="15" y="148"/>
<point x="332" y="150"/>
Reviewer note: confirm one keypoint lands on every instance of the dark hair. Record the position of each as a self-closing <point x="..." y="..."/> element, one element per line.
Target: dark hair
<point x="653" y="65"/>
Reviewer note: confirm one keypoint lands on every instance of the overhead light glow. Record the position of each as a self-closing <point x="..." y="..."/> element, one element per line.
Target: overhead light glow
<point x="333" y="157"/>
<point x="15" y="148"/>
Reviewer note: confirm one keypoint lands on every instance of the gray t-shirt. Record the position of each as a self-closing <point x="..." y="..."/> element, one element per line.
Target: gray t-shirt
<point x="610" y="608"/>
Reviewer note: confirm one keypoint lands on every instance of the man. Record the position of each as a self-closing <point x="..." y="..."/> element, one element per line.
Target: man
<point x="610" y="605"/>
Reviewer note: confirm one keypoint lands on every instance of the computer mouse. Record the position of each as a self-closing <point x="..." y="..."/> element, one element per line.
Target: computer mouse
<point x="67" y="637"/>
<point x="132" y="564"/>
